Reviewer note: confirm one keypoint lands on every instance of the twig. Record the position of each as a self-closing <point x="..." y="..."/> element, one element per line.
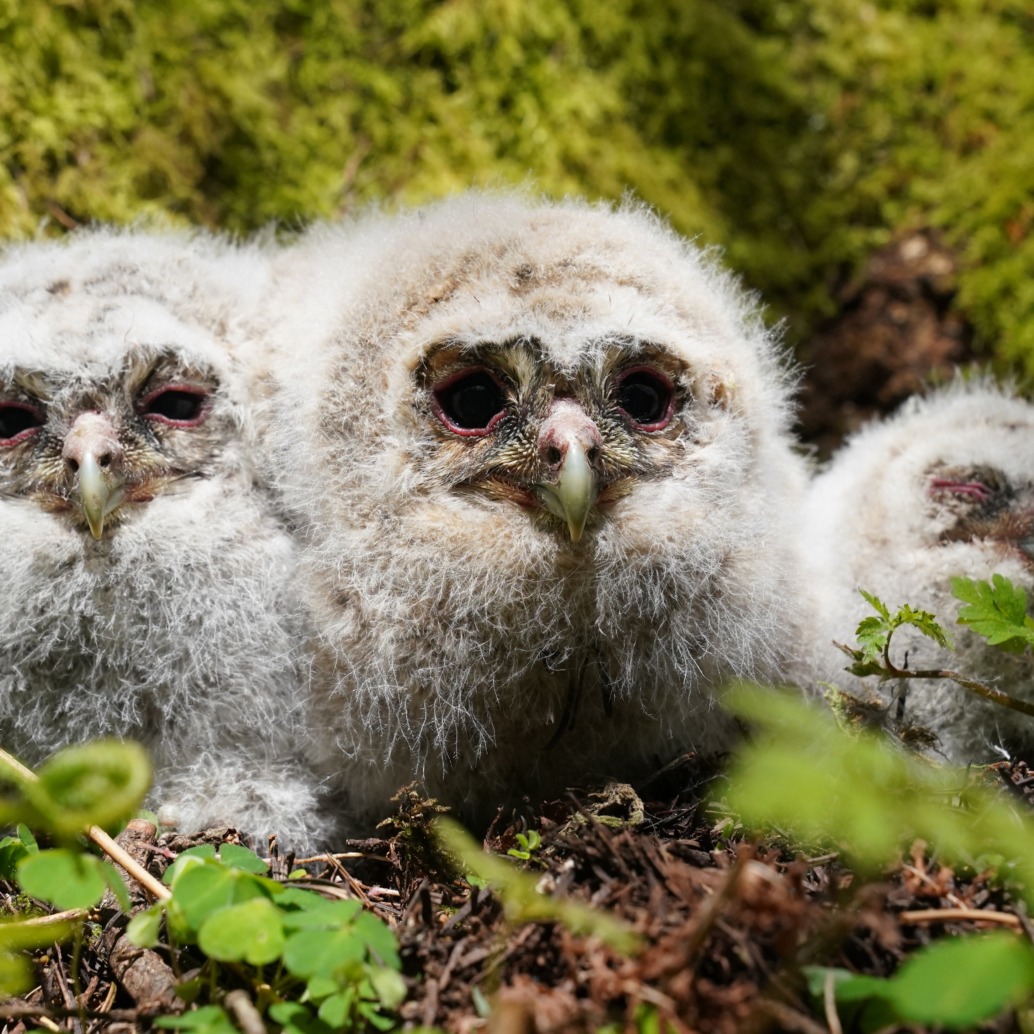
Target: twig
<point x="829" y="1003"/>
<point x="243" y="1010"/>
<point x="153" y="886"/>
<point x="948" y="915"/>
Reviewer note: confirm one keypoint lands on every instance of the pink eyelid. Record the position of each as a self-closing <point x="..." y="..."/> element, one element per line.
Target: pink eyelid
<point x="448" y="382"/>
<point x="27" y="432"/>
<point x="184" y="389"/>
<point x="665" y="419"/>
<point x="976" y="489"/>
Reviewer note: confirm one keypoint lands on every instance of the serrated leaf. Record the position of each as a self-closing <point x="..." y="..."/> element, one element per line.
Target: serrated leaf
<point x="65" y="878"/>
<point x="876" y="603"/>
<point x="996" y="610"/>
<point x="251" y="932"/>
<point x="925" y="622"/>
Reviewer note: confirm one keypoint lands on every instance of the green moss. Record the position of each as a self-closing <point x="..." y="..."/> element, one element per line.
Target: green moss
<point x="798" y="134"/>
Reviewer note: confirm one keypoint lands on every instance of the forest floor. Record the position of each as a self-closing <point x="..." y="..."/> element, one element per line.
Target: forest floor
<point x="728" y="924"/>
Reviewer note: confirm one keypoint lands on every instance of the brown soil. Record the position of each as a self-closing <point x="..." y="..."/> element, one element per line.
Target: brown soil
<point x="895" y="332"/>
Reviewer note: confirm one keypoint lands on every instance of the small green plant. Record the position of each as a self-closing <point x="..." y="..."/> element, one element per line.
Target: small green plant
<point x="308" y="964"/>
<point x="520" y="896"/>
<point x="804" y="777"/>
<point x="75" y="793"/>
<point x="527" y="844"/>
<point x="952" y="984"/>
<point x="995" y="610"/>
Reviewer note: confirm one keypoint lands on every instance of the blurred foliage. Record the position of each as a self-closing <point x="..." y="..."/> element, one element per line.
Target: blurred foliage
<point x="799" y="134"/>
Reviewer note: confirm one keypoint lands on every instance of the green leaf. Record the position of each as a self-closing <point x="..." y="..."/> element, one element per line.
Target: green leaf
<point x="116" y="884"/>
<point x="26" y="837"/>
<point x="876" y="603"/>
<point x="959" y="983"/>
<point x="336" y="1010"/>
<point x="17" y="975"/>
<point x="12" y="851"/>
<point x="63" y="877"/>
<point x="187" y="860"/>
<point x="251" y="932"/>
<point x="996" y="611"/>
<point x="241" y="858"/>
<point x="209" y="1019"/>
<point x="144" y="927"/>
<point x="310" y="953"/>
<point x="296" y="1018"/>
<point x="388" y="985"/>
<point x="97" y="784"/>
<point x="208" y="886"/>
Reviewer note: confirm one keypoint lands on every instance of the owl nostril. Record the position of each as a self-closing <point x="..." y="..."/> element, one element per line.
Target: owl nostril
<point x="104" y="460"/>
<point x="73" y="465"/>
<point x="593" y="453"/>
<point x="553" y="455"/>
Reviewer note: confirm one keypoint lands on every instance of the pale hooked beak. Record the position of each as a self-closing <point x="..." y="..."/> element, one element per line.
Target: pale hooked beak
<point x="568" y="441"/>
<point x="93" y="468"/>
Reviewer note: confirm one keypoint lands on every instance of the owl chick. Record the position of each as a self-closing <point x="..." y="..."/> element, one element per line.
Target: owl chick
<point x="944" y="487"/>
<point x="539" y="456"/>
<point x="148" y="589"/>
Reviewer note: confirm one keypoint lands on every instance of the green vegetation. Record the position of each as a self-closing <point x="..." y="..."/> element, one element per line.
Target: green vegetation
<point x="797" y="135"/>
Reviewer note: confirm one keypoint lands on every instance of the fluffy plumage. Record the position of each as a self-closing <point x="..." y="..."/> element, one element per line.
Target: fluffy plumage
<point x="539" y="458"/>
<point x="147" y="590"/>
<point x="944" y="487"/>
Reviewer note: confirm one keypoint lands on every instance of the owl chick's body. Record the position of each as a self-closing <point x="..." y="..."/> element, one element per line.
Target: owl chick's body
<point x="943" y="488"/>
<point x="148" y="590"/>
<point x="546" y="499"/>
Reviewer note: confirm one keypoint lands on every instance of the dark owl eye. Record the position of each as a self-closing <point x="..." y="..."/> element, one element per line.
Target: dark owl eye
<point x="180" y="407"/>
<point x="645" y="396"/>
<point x="17" y="422"/>
<point x="470" y="403"/>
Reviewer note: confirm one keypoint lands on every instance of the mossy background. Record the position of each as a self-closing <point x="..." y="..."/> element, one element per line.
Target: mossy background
<point x="797" y="134"/>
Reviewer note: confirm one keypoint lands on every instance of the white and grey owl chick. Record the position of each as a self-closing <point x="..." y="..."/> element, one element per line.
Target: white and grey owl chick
<point x="147" y="591"/>
<point x="943" y="488"/>
<point x="539" y="454"/>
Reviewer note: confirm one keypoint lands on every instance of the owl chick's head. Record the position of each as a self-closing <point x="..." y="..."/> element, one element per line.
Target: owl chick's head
<point x="117" y="383"/>
<point x="550" y="365"/>
<point x="945" y="486"/>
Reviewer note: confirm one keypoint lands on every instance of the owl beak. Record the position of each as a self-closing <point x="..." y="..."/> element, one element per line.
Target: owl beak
<point x="568" y="442"/>
<point x="92" y="456"/>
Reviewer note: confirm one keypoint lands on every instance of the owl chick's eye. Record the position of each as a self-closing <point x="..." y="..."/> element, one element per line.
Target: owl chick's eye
<point x="470" y="403"/>
<point x="18" y="421"/>
<point x="645" y="397"/>
<point x="179" y="407"/>
<point x="966" y="489"/>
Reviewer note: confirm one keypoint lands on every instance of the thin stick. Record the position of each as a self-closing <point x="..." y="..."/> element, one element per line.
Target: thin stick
<point x="948" y="915"/>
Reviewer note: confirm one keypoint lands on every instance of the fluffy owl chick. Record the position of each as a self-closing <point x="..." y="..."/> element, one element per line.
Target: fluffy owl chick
<point x="540" y="458"/>
<point x="944" y="487"/>
<point x="147" y="590"/>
